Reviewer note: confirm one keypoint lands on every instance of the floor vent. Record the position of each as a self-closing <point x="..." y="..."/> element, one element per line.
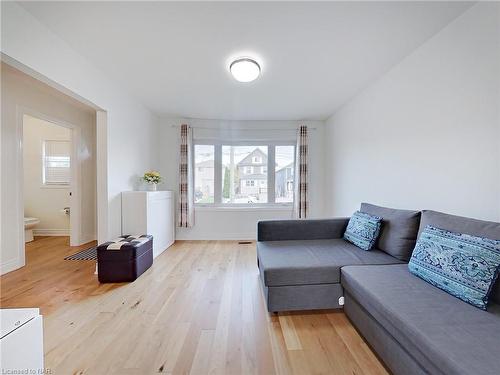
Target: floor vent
<point x="244" y="242"/>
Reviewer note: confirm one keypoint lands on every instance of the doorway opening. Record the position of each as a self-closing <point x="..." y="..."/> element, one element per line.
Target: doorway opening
<point x="53" y="160"/>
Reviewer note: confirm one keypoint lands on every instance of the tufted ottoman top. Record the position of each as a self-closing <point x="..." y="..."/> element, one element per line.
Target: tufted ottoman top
<point x="125" y="247"/>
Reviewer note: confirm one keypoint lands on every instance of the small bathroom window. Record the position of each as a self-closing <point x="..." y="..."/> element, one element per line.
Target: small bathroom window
<point x="56" y="163"/>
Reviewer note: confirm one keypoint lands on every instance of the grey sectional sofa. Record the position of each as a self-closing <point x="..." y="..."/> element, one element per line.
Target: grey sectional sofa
<point x="413" y="326"/>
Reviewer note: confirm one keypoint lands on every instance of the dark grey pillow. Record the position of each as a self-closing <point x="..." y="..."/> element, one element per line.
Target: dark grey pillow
<point x="460" y="224"/>
<point x="398" y="233"/>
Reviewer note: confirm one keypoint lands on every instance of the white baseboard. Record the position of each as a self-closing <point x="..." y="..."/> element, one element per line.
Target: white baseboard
<point x="85" y="238"/>
<point x="216" y="236"/>
<point x="9" y="266"/>
<point x="51" y="232"/>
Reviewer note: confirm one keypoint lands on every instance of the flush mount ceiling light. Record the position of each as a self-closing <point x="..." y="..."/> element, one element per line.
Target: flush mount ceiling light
<point x="244" y="69"/>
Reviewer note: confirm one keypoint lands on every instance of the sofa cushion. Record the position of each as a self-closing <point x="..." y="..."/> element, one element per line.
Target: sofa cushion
<point x="398" y="233"/>
<point x="460" y="264"/>
<point x="363" y="230"/>
<point x="459" y="224"/>
<point x="437" y="329"/>
<point x="312" y="261"/>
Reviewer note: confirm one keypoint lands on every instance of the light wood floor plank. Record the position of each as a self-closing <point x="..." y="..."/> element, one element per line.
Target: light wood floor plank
<point x="289" y="333"/>
<point x="203" y="353"/>
<point x="358" y="348"/>
<point x="199" y="309"/>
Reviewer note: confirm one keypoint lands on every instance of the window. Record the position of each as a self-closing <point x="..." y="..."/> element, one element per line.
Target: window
<point x="236" y="187"/>
<point x="226" y="173"/>
<point x="284" y="174"/>
<point x="56" y="163"/>
<point x="204" y="174"/>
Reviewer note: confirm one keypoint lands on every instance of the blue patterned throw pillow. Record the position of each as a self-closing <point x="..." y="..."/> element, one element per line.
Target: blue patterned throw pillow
<point x="363" y="230"/>
<point x="465" y="266"/>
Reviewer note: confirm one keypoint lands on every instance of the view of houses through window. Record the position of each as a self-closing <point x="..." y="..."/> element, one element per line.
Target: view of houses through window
<point x="284" y="174"/>
<point x="204" y="174"/>
<point x="244" y="177"/>
<point x="244" y="174"/>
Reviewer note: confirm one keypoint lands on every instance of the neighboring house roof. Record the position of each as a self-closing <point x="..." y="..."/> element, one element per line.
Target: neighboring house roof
<point x="205" y="164"/>
<point x="285" y="167"/>
<point x="247" y="161"/>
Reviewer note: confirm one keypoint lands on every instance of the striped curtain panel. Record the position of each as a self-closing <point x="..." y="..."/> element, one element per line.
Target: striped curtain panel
<point x="301" y="203"/>
<point x="186" y="181"/>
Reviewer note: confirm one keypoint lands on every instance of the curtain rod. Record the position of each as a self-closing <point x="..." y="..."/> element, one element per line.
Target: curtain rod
<point x="245" y="129"/>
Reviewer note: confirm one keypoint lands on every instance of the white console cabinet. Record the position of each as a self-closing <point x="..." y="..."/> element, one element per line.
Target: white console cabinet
<point x="150" y="212"/>
<point x="21" y="342"/>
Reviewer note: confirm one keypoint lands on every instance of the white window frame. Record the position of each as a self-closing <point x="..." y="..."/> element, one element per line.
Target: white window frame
<point x="271" y="173"/>
<point x="54" y="185"/>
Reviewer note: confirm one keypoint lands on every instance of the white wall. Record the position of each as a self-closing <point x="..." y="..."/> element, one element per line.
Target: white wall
<point x="226" y="223"/>
<point x="43" y="202"/>
<point x="131" y="128"/>
<point x="427" y="134"/>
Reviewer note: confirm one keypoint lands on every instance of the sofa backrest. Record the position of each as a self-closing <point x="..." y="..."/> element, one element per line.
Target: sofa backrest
<point x="398" y="233"/>
<point x="459" y="224"/>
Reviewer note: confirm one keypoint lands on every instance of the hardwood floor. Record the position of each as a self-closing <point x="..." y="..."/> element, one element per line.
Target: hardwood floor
<point x="198" y="310"/>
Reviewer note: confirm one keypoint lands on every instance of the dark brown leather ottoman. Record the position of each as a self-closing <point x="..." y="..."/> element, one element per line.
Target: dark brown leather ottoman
<point x="124" y="259"/>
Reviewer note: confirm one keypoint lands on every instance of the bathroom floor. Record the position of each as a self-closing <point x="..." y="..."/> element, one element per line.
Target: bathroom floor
<point x="45" y="241"/>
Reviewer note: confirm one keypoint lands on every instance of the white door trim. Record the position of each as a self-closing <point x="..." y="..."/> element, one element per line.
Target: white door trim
<point x="102" y="175"/>
<point x="75" y="200"/>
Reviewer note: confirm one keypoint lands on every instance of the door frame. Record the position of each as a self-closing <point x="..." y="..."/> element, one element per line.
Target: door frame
<point x="102" y="197"/>
<point x="76" y="181"/>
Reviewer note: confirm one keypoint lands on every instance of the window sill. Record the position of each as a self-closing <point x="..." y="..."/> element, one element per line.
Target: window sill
<point x="228" y="208"/>
<point x="55" y="186"/>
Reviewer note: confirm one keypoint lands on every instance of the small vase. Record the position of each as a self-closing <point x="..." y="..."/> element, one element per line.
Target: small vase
<point x="152" y="187"/>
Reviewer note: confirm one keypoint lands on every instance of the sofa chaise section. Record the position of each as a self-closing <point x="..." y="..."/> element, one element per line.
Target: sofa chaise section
<point x="300" y="261"/>
<point x="417" y="328"/>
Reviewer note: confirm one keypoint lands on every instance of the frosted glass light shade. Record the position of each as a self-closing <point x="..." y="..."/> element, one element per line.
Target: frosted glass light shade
<point x="245" y="69"/>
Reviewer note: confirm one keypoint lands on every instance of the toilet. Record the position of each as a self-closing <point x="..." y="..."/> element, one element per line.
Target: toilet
<point x="29" y="224"/>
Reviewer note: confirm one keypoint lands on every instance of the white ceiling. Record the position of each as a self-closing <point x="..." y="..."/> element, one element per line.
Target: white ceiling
<point x="174" y="57"/>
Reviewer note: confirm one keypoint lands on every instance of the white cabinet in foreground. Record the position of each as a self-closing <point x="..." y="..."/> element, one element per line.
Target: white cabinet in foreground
<point x="21" y="342"/>
<point x="150" y="212"/>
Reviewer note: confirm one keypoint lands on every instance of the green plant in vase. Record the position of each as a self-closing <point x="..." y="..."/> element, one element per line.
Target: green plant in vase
<point x="152" y="178"/>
